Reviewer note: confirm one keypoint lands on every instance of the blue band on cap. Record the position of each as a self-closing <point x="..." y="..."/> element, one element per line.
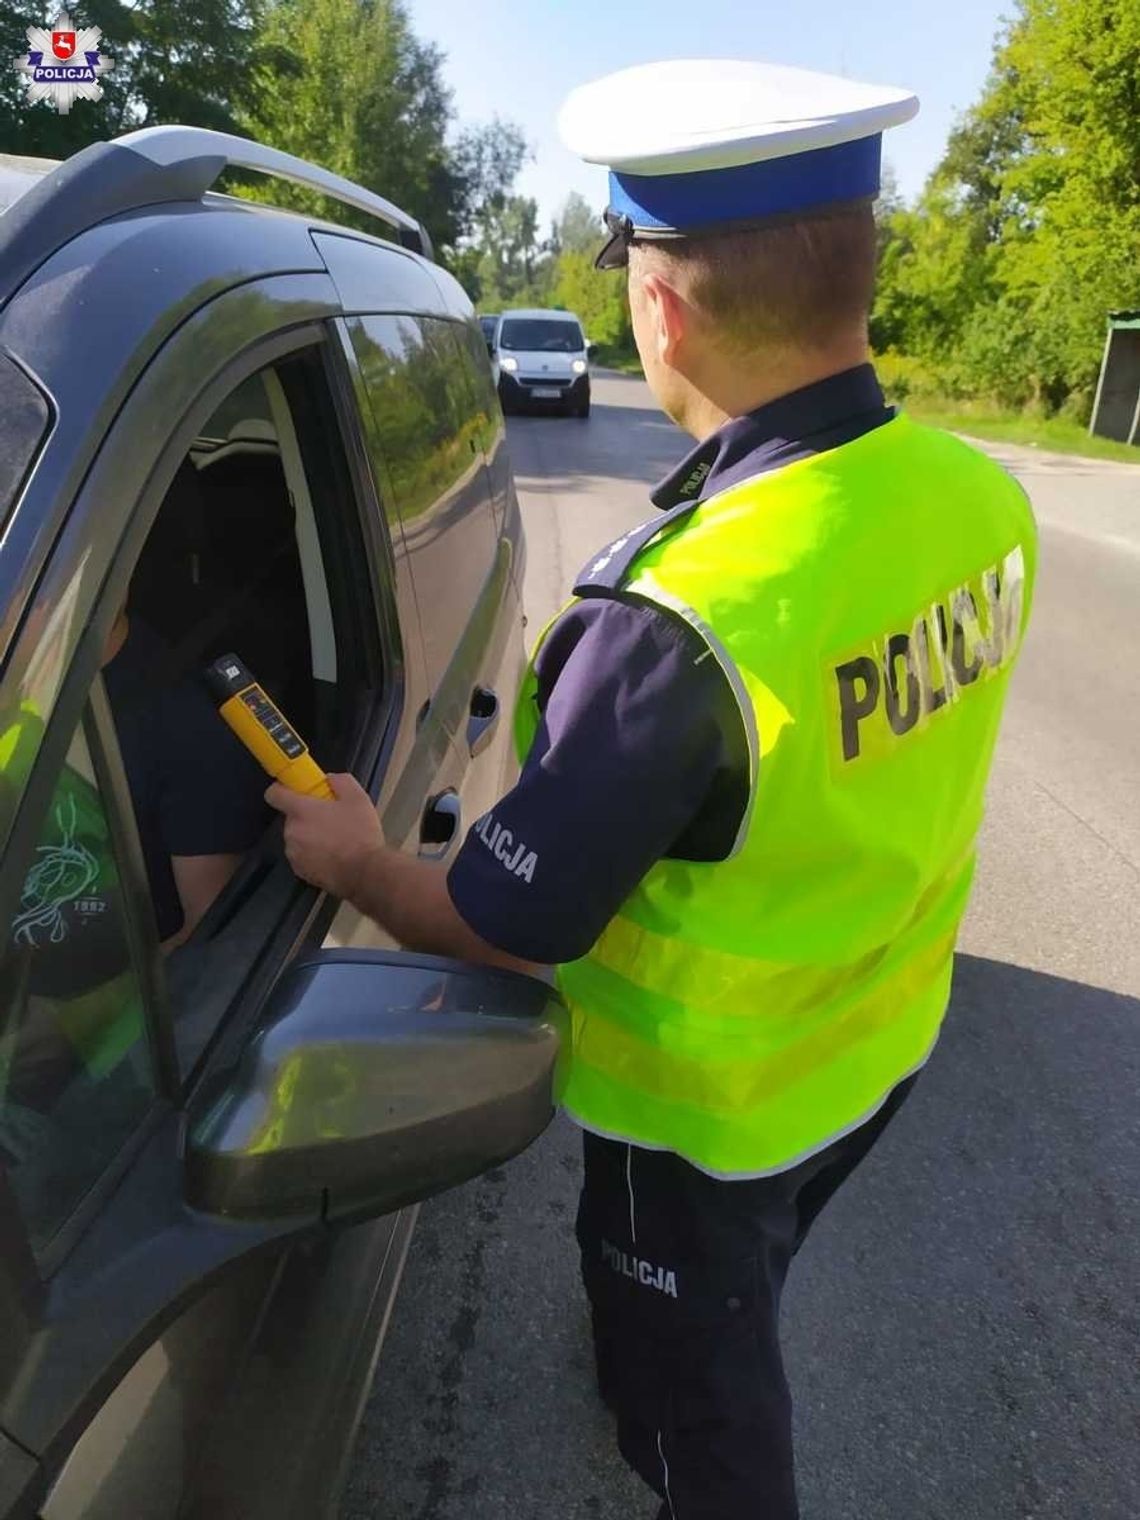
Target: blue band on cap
<point x="683" y="202"/>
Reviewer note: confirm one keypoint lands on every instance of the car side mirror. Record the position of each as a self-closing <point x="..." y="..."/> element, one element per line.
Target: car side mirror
<point x="591" y="350"/>
<point x="376" y="1080"/>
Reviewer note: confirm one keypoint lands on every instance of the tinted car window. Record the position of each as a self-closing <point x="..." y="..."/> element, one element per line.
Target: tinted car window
<point x="75" y="1075"/>
<point x="419" y="407"/>
<point x="26" y="415"/>
<point x="426" y="432"/>
<point x="539" y="335"/>
<point x="482" y="398"/>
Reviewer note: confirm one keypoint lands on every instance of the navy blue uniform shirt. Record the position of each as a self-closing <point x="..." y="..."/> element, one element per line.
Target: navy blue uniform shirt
<point x="640" y="751"/>
<point x="196" y="789"/>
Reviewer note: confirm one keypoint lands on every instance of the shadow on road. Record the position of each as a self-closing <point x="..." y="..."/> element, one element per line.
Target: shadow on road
<point x="558" y="456"/>
<point x="962" y="1323"/>
<point x="960" y="1328"/>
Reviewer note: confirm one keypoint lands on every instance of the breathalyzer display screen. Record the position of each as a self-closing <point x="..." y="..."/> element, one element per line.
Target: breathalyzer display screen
<point x="272" y="721"/>
<point x="227" y="677"/>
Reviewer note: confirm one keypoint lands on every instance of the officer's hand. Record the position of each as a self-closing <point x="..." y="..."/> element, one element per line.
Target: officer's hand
<point x="329" y="843"/>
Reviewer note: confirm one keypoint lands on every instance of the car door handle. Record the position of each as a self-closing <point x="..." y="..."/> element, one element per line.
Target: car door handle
<point x="484" y="715"/>
<point x="439" y="826"/>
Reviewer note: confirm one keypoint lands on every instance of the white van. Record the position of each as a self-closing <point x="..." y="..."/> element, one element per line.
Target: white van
<point x="544" y="360"/>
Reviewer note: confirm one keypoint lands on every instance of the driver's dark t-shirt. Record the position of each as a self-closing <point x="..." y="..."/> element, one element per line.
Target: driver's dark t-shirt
<point x="195" y="788"/>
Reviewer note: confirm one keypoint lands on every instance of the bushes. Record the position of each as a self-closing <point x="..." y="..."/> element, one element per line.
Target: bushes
<point x="599" y="300"/>
<point x="904" y="378"/>
<point x="1027" y="235"/>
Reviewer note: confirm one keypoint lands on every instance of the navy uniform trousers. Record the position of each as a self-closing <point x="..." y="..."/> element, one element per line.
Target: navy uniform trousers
<point x="684" y="1275"/>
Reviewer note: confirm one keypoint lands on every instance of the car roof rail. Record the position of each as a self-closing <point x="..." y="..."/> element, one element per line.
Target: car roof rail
<point x="150" y="167"/>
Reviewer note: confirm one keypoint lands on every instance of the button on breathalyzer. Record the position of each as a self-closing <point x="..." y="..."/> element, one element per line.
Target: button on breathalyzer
<point x="260" y="725"/>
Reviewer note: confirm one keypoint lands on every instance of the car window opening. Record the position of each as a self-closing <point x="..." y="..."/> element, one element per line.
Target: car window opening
<point x="241" y="560"/>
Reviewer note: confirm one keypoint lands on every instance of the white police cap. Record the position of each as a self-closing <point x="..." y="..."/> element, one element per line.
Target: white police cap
<point x="699" y="144"/>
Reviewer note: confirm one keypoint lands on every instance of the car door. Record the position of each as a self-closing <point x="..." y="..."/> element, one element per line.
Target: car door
<point x="438" y="452"/>
<point x="482" y="387"/>
<point x="159" y="1361"/>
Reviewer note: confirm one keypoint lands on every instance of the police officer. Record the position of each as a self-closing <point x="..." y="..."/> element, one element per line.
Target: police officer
<point x="754" y="749"/>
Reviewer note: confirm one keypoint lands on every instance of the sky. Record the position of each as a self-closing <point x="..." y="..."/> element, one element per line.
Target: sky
<point x="518" y="59"/>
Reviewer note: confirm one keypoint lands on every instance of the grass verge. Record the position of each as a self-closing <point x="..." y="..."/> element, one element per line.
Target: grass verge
<point x="622" y="359"/>
<point x="1053" y="433"/>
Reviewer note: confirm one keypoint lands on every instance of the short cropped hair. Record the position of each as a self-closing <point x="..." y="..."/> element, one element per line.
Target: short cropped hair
<point x="795" y="283"/>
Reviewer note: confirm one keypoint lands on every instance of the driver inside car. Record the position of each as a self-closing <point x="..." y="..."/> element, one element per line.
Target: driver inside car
<point x="197" y="793"/>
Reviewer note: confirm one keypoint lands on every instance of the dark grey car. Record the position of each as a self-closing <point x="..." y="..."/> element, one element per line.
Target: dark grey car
<point x="279" y="438"/>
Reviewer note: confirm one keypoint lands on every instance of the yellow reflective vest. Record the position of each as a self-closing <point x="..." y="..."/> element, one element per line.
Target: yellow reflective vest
<point x="867" y="605"/>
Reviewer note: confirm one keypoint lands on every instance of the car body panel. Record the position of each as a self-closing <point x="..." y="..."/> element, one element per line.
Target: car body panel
<point x="157" y="1368"/>
<point x="470" y="643"/>
<point x="169" y="1377"/>
<point x="342" y="1291"/>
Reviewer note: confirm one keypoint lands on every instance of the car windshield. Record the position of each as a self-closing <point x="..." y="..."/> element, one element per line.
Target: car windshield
<point x="542" y="336"/>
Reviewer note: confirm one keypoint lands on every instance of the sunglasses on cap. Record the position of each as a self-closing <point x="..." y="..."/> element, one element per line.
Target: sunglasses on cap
<point x="615" y="253"/>
<point x="623" y="234"/>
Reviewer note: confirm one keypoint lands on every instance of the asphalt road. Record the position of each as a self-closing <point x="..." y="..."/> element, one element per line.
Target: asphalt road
<point x="961" y="1329"/>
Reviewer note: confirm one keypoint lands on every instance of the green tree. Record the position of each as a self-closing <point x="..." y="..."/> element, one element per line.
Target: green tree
<point x="192" y="61"/>
<point x="1070" y="191"/>
<point x="933" y="271"/>
<point x="1028" y="232"/>
<point x="508" y="252"/>
<point x="577" y="228"/>
<point x="487" y="161"/>
<point x="343" y="83"/>
<point x="363" y="96"/>
<point x="366" y="97"/>
<point x="599" y="300"/>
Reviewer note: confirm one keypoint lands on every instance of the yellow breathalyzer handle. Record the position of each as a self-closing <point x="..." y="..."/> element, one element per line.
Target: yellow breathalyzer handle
<point x="260" y="725"/>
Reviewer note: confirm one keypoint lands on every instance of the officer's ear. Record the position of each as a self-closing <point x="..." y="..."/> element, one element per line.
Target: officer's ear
<point x="667" y="318"/>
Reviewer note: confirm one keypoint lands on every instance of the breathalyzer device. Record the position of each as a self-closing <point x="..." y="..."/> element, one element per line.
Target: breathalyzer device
<point x="260" y="725"/>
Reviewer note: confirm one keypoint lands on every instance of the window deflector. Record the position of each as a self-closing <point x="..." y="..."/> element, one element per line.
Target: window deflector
<point x="146" y="953"/>
<point x="321" y="632"/>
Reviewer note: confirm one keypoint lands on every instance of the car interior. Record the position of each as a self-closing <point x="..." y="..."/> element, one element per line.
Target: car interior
<point x="240" y="559"/>
<point x="221" y="568"/>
